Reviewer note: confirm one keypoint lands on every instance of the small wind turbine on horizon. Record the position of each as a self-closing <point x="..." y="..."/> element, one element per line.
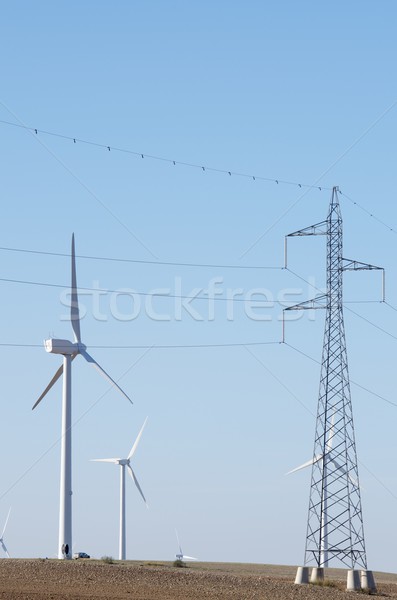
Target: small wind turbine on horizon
<point x="69" y="351"/>
<point x="123" y="463"/>
<point x="182" y="556"/>
<point x="2" y="535"/>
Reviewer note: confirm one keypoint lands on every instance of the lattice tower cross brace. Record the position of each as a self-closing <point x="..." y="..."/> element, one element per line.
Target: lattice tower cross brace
<point x="335" y="525"/>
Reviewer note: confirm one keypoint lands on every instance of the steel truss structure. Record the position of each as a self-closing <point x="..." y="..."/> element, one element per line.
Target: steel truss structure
<point x="335" y="525"/>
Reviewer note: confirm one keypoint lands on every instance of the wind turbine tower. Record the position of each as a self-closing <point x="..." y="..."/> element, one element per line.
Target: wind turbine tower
<point x="69" y="350"/>
<point x="2" y="535"/>
<point x="335" y="530"/>
<point x="123" y="463"/>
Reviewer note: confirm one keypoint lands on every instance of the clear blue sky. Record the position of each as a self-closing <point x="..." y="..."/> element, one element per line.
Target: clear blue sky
<point x="303" y="92"/>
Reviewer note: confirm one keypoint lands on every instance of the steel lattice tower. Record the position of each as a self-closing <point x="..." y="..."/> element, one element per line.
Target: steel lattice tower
<point x="335" y="525"/>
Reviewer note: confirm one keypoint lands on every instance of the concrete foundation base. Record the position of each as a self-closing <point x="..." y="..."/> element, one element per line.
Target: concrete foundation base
<point x="317" y="575"/>
<point x="302" y="575"/>
<point x="356" y="580"/>
<point x="353" y="581"/>
<point x="368" y="581"/>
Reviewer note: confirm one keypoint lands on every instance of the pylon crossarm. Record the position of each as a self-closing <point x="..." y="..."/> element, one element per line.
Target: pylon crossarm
<point x="317" y="229"/>
<point x="313" y="304"/>
<point x="355" y="265"/>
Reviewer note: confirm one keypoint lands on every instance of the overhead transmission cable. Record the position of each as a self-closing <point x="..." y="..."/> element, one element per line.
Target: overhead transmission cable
<point x="154" y="293"/>
<point x="154" y="346"/>
<point x="369" y="213"/>
<point x="138" y="261"/>
<point x="157" y="294"/>
<point x="371" y="323"/>
<point x="171" y="161"/>
<point x="199" y="166"/>
<point x="365" y="389"/>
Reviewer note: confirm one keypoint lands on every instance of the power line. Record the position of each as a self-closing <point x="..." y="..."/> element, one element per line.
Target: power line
<point x="280" y="382"/>
<point x="221" y="345"/>
<point x="170" y="161"/>
<point x="371" y="323"/>
<point x="391" y="306"/>
<point x="169" y="346"/>
<point x="351" y="380"/>
<point x="201" y="167"/>
<point x="144" y="262"/>
<point x="132" y="292"/>
<point x="369" y="213"/>
<point x="12" y="345"/>
<point x="156" y="293"/>
<point x="153" y="346"/>
<point x="378" y="480"/>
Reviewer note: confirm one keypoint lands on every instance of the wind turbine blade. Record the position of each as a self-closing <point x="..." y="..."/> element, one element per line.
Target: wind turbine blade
<point x="5" y="524"/>
<point x="53" y="380"/>
<point x="179" y="544"/>
<point x="134" y="447"/>
<point x="131" y="472"/>
<point x="49" y="386"/>
<point x="109" y="460"/>
<point x="5" y="549"/>
<point x="312" y="461"/>
<point x="74" y="305"/>
<point x="331" y="433"/>
<point x="103" y="372"/>
<point x="338" y="465"/>
<point x="343" y="470"/>
<point x="189" y="557"/>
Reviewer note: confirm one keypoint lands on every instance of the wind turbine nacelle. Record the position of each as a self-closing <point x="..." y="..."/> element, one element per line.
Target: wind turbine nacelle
<point x="60" y="346"/>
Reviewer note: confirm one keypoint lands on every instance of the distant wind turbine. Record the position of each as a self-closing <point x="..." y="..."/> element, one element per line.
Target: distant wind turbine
<point x="123" y="463"/>
<point x="182" y="556"/>
<point x="69" y="351"/>
<point x="2" y="535"/>
<point x="325" y="460"/>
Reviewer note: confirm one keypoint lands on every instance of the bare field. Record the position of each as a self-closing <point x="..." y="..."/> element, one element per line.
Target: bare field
<point x="28" y="579"/>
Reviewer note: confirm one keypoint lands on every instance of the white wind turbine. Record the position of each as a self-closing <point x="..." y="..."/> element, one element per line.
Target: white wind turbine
<point x="2" y="535"/>
<point x="69" y="351"/>
<point x="182" y="556"/>
<point x="123" y="463"/>
<point x="325" y="459"/>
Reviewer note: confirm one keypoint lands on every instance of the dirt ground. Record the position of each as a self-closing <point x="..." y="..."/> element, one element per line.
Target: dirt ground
<point x="44" y="579"/>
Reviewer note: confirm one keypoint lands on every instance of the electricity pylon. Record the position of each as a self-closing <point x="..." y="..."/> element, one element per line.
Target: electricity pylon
<point x="335" y="525"/>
